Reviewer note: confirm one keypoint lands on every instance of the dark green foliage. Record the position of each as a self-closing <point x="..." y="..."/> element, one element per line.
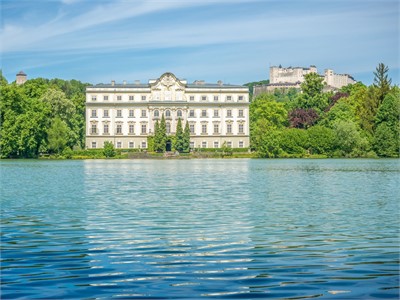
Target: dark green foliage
<point x="186" y="138"/>
<point x="179" y="144"/>
<point x="321" y="140"/>
<point x="252" y="84"/>
<point x="108" y="149"/>
<point x="294" y="141"/>
<point x="57" y="135"/>
<point x="160" y="135"/>
<point x="381" y="81"/>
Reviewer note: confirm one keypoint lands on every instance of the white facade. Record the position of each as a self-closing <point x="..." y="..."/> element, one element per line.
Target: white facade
<point x="125" y="114"/>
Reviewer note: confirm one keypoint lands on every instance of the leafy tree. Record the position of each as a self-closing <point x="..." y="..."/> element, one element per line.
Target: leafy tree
<point x="294" y="141"/>
<point x="368" y="110"/>
<point x="186" y="138"/>
<point x="381" y="81"/>
<point x="302" y="118"/>
<point x="349" y="140"/>
<point x="60" y="105"/>
<point x="3" y="80"/>
<point x="179" y="137"/>
<point x="264" y="107"/>
<point x="312" y="96"/>
<point x="57" y="135"/>
<point x="266" y="139"/>
<point x="108" y="149"/>
<point x="321" y="140"/>
<point x="342" y="110"/>
<point x="160" y="135"/>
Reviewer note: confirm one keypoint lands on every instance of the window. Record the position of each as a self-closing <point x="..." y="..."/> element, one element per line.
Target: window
<point x="94" y="98"/>
<point x="229" y="113"/>
<point x="94" y="113"/>
<point x="203" y="98"/>
<point x="105" y="98"/>
<point x="191" y="98"/>
<point x="179" y="113"/>
<point x="105" y="128"/>
<point x="143" y="145"/>
<point x="229" y="144"/>
<point x="119" y="145"/>
<point x="191" y="145"/>
<point x="216" y="128"/>
<point x="228" y="98"/>
<point x="94" y="129"/>
<point x="105" y="113"/>
<point x="241" y="144"/>
<point x="119" y="129"/>
<point x="240" y="113"/>
<point x="131" y="113"/>
<point x="131" y="98"/>
<point x="119" y="113"/>
<point x="204" y="113"/>
<point x="168" y="127"/>
<point x="216" y="144"/>
<point x="204" y="128"/>
<point x="143" y="113"/>
<point x="94" y="145"/>
<point x="204" y="144"/>
<point x="131" y="144"/>
<point x="144" y="128"/>
<point x="241" y="128"/>
<point x="167" y="114"/>
<point x="156" y="114"/>
<point x="131" y="128"/>
<point x="215" y="98"/>
<point x="191" y="113"/>
<point x="229" y="128"/>
<point x="215" y="113"/>
<point x="143" y="98"/>
<point x="191" y="127"/>
<point x="119" y="97"/>
<point x="240" y="98"/>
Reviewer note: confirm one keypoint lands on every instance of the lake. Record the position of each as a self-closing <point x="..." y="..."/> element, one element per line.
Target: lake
<point x="229" y="228"/>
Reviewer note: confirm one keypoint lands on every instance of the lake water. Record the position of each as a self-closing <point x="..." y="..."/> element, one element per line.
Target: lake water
<point x="280" y="229"/>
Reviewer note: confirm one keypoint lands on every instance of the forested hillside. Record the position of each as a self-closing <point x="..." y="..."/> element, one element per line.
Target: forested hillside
<point x="357" y="121"/>
<point x="41" y="116"/>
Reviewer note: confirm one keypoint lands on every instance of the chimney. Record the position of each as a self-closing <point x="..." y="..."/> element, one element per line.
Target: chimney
<point x="112" y="82"/>
<point x="220" y="82"/>
<point x="124" y="82"/>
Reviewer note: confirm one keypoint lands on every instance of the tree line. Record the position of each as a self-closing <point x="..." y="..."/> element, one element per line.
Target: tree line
<point x="357" y="121"/>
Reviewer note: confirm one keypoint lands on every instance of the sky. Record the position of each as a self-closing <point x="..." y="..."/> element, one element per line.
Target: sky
<point x="236" y="41"/>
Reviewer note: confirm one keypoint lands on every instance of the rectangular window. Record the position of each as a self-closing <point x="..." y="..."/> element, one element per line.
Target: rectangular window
<point x="119" y="145"/>
<point x="204" y="113"/>
<point x="215" y="113"/>
<point x="216" y="128"/>
<point x="216" y="144"/>
<point x="131" y="113"/>
<point x="131" y="144"/>
<point x="94" y="98"/>
<point x="203" y="98"/>
<point x="105" y="98"/>
<point x="131" y="128"/>
<point x="204" y="128"/>
<point x="204" y="144"/>
<point x="191" y="126"/>
<point x="215" y="98"/>
<point x="144" y="145"/>
<point x="229" y="144"/>
<point x="168" y="127"/>
<point x="119" y="97"/>
<point x="191" y="145"/>
<point x="94" y="129"/>
<point x="228" y="98"/>
<point x="143" y="98"/>
<point x="94" y="113"/>
<point x="144" y="128"/>
<point x="191" y="98"/>
<point x="119" y="129"/>
<point x="144" y="113"/>
<point x="94" y="145"/>
<point x="241" y="128"/>
<point x="131" y="98"/>
<point x="240" y="98"/>
<point x="240" y="113"/>
<point x="105" y="113"/>
<point x="105" y="128"/>
<point x="241" y="144"/>
<point x="229" y="113"/>
<point x="119" y="113"/>
<point x="229" y="128"/>
<point x="191" y="113"/>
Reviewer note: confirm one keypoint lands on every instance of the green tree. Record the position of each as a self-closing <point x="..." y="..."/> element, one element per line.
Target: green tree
<point x="321" y="140"/>
<point x="312" y="95"/>
<point x="294" y="141"/>
<point x="179" y="137"/>
<point x="349" y="140"/>
<point x="57" y="135"/>
<point x="108" y="149"/>
<point x="381" y="81"/>
<point x="160" y="135"/>
<point x="186" y="138"/>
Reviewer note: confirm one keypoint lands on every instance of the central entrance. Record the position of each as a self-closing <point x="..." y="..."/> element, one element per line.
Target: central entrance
<point x="168" y="146"/>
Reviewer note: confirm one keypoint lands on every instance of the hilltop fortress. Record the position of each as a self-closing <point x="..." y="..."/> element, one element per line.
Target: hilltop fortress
<point x="285" y="78"/>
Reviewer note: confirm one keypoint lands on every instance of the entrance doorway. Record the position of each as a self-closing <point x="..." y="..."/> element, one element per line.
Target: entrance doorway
<point x="168" y="146"/>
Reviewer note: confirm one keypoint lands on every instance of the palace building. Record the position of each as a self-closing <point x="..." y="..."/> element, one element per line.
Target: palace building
<point x="125" y="114"/>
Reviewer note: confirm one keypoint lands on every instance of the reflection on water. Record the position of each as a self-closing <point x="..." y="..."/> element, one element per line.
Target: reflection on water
<point x="200" y="228"/>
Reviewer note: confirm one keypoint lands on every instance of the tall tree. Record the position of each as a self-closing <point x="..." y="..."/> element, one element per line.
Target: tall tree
<point x="381" y="81"/>
<point x="179" y="137"/>
<point x="186" y="138"/>
<point x="57" y="135"/>
<point x="160" y="135"/>
<point x="312" y="95"/>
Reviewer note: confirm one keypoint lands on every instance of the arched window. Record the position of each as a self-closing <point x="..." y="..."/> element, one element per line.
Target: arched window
<point x="156" y="113"/>
<point x="167" y="113"/>
<point x="179" y="113"/>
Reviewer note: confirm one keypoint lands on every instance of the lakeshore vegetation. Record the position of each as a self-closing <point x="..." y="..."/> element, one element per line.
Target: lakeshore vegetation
<point x="45" y="116"/>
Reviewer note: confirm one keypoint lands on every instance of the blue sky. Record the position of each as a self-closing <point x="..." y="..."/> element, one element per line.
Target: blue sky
<point x="231" y="40"/>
